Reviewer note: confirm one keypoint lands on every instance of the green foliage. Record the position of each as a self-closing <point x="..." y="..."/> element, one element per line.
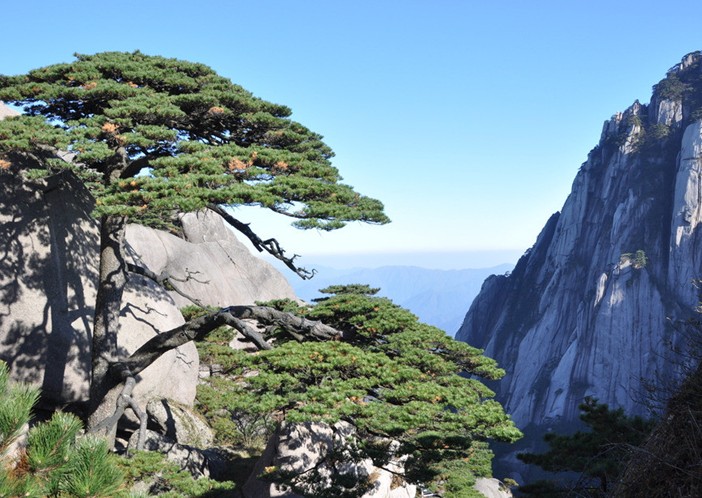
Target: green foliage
<point x="455" y="477"/>
<point x="598" y="455"/>
<point x="362" y="289"/>
<point x="91" y="471"/>
<point x="57" y="461"/>
<point x="390" y="376"/>
<point x="638" y="259"/>
<point x="15" y="409"/>
<point x="166" y="479"/>
<point x="632" y="130"/>
<point x="192" y="311"/>
<point x="671" y="87"/>
<point x="684" y="85"/>
<point x="658" y="132"/>
<point x="287" y="305"/>
<point x="154" y="136"/>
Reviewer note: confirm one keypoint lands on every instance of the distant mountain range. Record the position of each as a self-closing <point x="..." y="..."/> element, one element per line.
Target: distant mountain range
<point x="437" y="297"/>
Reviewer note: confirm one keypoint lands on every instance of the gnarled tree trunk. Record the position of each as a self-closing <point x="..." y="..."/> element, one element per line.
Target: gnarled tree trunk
<point x="108" y="304"/>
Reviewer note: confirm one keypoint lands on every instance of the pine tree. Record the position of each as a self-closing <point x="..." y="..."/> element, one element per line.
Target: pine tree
<point x="599" y="455"/>
<point x="389" y="376"/>
<point x="152" y="137"/>
<point x="50" y="459"/>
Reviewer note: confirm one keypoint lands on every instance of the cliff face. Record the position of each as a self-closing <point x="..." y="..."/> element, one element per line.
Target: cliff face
<point x="592" y="308"/>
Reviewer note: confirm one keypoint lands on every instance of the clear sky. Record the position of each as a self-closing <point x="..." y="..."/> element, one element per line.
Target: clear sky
<point x="468" y="119"/>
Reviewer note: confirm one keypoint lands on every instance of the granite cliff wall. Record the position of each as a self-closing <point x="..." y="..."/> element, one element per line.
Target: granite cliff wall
<point x="594" y="307"/>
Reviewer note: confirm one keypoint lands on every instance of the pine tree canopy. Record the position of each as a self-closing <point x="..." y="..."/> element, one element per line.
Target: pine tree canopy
<point x="599" y="455"/>
<point x="153" y="136"/>
<point x="390" y="376"/>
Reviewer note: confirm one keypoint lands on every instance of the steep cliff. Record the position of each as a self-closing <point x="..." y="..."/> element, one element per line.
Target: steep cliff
<point x="592" y="308"/>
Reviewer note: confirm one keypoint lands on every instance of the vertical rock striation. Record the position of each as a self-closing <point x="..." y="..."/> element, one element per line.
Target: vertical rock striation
<point x="591" y="309"/>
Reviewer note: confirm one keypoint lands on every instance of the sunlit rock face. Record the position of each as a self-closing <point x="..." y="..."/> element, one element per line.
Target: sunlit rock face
<point x="207" y="263"/>
<point x="594" y="307"/>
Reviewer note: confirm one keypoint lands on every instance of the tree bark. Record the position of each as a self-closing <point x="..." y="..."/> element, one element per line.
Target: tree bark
<point x="108" y="304"/>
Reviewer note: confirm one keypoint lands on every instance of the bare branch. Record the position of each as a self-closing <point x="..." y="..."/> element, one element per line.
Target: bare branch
<point x="133" y="167"/>
<point x="141" y="415"/>
<point x="271" y="246"/>
<point x="125" y="371"/>
<point x="108" y="425"/>
<point x="249" y="332"/>
<point x="145" y="272"/>
<point x="298" y="327"/>
<point x="165" y="280"/>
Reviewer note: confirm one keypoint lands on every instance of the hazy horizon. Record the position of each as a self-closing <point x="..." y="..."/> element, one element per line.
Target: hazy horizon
<point x="432" y="260"/>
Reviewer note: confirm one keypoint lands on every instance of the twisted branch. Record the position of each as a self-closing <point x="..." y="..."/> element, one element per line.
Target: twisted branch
<point x="165" y="280"/>
<point x="125" y="371"/>
<point x="108" y="425"/>
<point x="234" y="316"/>
<point x="271" y="246"/>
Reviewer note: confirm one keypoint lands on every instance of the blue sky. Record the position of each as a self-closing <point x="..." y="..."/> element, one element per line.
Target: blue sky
<point x="469" y="119"/>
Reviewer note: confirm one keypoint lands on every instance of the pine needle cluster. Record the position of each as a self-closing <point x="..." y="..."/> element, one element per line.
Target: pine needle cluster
<point x="152" y="137"/>
<point x="52" y="458"/>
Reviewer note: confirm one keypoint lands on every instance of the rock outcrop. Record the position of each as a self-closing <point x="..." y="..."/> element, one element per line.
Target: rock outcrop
<point x="178" y="423"/>
<point x="6" y="111"/>
<point x="187" y="457"/>
<point x="208" y="263"/>
<point x="594" y="307"/>
<point x="492" y="488"/>
<point x="300" y="449"/>
<point x="48" y="276"/>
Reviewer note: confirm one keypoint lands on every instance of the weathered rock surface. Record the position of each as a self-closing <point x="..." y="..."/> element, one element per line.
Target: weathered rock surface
<point x="46" y="314"/>
<point x="208" y="263"/>
<point x="179" y="423"/>
<point x="298" y="448"/>
<point x="591" y="309"/>
<point x="187" y="457"/>
<point x="48" y="277"/>
<point x="6" y="111"/>
<point x="492" y="488"/>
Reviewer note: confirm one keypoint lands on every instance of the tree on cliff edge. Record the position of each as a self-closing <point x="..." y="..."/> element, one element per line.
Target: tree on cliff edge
<point x="153" y="137"/>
